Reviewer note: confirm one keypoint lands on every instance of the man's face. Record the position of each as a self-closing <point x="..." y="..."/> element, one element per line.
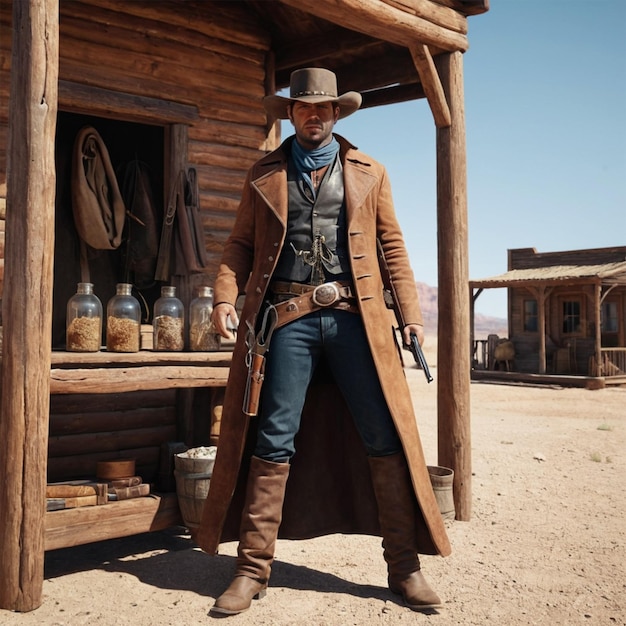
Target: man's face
<point x="313" y="122"/>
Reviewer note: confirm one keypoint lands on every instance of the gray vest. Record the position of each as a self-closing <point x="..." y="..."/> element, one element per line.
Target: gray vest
<point x="315" y="247"/>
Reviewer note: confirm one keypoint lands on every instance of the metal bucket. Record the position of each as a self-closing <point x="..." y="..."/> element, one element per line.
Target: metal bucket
<point x="193" y="477"/>
<point x="442" y="479"/>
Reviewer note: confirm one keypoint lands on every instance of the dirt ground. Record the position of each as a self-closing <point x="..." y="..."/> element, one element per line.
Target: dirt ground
<point x="546" y="543"/>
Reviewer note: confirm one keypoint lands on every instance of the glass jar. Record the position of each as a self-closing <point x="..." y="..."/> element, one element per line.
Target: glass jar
<point x="123" y="320"/>
<point x="168" y="322"/>
<point x="83" y="324"/>
<point x="202" y="335"/>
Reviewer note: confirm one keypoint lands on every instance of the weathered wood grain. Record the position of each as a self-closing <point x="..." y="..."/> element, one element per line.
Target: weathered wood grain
<point x="109" y="380"/>
<point x="74" y="527"/>
<point x="383" y="21"/>
<point x="27" y="301"/>
<point x="453" y="337"/>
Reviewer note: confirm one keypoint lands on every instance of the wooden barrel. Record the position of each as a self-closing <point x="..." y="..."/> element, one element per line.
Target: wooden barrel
<point x="193" y="476"/>
<point x="441" y="479"/>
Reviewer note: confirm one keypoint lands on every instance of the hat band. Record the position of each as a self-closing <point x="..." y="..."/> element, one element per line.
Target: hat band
<point x="313" y="93"/>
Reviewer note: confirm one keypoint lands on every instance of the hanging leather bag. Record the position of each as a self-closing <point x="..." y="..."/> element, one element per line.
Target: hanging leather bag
<point x="97" y="203"/>
<point x="182" y="249"/>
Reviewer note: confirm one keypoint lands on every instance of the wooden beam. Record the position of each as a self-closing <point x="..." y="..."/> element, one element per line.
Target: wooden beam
<point x="473" y="298"/>
<point x="27" y="301"/>
<point x="466" y="7"/>
<point x="120" y="380"/>
<point x="453" y="397"/>
<point x="382" y="21"/>
<point x="597" y="318"/>
<point x="86" y="99"/>
<point x="392" y="95"/>
<point x="564" y="380"/>
<point x="386" y="65"/>
<point x="307" y="52"/>
<point x="86" y="360"/>
<point x="176" y="159"/>
<point x="432" y="85"/>
<point x="74" y="527"/>
<point x="432" y="12"/>
<point x="541" y="295"/>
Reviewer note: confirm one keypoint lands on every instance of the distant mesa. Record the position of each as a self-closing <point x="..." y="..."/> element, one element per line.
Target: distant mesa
<point x="484" y="325"/>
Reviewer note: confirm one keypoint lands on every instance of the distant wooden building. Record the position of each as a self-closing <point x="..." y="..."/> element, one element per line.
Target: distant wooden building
<point x="178" y="84"/>
<point x="566" y="312"/>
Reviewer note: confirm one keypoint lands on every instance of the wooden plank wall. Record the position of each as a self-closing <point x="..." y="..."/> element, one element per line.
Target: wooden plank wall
<point x="117" y="426"/>
<point x="529" y="258"/>
<point x="582" y="347"/>
<point x="527" y="344"/>
<point x="207" y="56"/>
<point x="211" y="56"/>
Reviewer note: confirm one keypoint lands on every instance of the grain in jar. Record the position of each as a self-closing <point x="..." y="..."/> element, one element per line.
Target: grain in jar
<point x="83" y="329"/>
<point x="123" y="320"/>
<point x="202" y="335"/>
<point x="169" y="322"/>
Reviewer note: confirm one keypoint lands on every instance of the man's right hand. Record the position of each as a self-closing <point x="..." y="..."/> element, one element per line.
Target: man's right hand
<point x="224" y="318"/>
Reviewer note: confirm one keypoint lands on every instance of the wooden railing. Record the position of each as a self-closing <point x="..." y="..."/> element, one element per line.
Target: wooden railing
<point x="612" y="363"/>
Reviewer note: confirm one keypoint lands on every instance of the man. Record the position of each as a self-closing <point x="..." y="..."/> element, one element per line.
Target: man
<point x="304" y="249"/>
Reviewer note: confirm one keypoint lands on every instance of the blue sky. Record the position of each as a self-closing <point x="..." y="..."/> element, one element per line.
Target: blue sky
<point x="545" y="106"/>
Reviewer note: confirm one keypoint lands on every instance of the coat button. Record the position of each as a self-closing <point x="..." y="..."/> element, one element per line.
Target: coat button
<point x="258" y="290"/>
<point x="270" y="258"/>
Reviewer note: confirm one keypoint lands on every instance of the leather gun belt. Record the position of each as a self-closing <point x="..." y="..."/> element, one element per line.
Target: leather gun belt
<point x="294" y="300"/>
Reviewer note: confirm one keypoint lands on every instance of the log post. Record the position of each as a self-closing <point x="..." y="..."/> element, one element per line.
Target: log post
<point x="540" y="294"/>
<point x="453" y="336"/>
<point x="176" y="159"/>
<point x="27" y="301"/>
<point x="597" y="314"/>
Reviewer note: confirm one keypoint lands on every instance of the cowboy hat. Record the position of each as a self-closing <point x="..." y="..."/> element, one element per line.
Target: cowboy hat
<point x="312" y="84"/>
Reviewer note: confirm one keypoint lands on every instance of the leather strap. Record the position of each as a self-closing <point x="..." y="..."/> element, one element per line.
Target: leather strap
<point x="296" y="289"/>
<point x="298" y="306"/>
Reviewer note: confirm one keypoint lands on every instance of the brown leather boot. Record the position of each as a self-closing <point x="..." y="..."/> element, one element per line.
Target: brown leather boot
<point x="260" y="519"/>
<point x="397" y="513"/>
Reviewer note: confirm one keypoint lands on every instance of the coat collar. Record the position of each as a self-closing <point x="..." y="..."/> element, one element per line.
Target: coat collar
<point x="270" y="177"/>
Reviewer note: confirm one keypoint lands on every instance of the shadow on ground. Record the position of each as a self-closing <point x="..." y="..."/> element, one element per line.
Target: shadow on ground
<point x="171" y="560"/>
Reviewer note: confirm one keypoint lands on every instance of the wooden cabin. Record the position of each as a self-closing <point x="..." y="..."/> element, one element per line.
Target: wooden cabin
<point x="177" y="85"/>
<point x="566" y="314"/>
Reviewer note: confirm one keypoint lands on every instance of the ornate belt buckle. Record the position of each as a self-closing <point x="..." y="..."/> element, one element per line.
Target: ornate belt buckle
<point x="326" y="294"/>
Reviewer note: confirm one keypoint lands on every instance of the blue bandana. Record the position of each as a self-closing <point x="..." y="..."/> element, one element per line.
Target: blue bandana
<point x="308" y="160"/>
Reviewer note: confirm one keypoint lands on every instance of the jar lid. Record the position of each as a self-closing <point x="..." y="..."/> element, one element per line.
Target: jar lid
<point x="205" y="291"/>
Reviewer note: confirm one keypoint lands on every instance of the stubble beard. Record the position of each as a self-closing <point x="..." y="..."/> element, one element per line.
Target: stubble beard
<point x="311" y="143"/>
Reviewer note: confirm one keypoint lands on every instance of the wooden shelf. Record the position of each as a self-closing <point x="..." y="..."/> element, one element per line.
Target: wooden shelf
<point x="74" y="527"/>
<point x="108" y="372"/>
<point x="115" y="359"/>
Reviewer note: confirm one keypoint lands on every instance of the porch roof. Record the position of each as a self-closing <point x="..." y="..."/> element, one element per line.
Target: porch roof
<point x="605" y="274"/>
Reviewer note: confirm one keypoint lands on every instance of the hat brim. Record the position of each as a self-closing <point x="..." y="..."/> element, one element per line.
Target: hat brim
<point x="348" y="103"/>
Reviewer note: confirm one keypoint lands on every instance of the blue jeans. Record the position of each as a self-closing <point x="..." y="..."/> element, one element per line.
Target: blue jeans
<point x="293" y="354"/>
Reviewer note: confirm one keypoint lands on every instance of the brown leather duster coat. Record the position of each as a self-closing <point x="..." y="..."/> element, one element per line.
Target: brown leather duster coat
<point x="329" y="488"/>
